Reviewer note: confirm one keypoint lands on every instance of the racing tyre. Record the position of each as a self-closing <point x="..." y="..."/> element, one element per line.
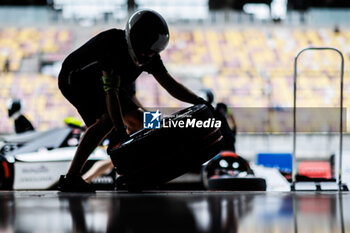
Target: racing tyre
<point x="153" y="157"/>
<point x="6" y="175"/>
<point x="237" y="184"/>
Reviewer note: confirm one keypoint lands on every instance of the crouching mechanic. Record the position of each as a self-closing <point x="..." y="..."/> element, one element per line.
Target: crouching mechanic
<point x="95" y="77"/>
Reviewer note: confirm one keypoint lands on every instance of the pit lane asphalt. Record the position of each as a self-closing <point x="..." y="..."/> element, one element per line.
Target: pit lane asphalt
<point x="174" y="211"/>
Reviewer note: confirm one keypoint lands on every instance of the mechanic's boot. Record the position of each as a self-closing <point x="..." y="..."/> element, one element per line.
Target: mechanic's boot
<point x="74" y="184"/>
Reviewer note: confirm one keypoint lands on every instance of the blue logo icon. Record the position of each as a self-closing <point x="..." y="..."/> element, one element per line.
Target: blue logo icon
<point x="151" y="120"/>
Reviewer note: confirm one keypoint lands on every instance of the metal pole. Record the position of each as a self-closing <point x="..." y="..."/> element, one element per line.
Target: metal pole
<point x="341" y="212"/>
<point x="294" y="170"/>
<point x="295" y="212"/>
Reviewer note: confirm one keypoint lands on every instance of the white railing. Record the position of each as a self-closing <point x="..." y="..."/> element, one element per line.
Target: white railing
<point x="174" y="10"/>
<point x="91" y="9"/>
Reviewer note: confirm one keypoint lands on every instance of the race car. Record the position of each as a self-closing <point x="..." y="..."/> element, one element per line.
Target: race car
<point x="229" y="171"/>
<point x="153" y="157"/>
<point x="36" y="159"/>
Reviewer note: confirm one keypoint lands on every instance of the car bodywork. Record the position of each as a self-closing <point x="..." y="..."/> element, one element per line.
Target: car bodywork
<point x="35" y="160"/>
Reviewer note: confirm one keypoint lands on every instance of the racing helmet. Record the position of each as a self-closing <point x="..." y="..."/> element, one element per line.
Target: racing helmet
<point x="146" y="34"/>
<point x="14" y="106"/>
<point x="222" y="108"/>
<point x="225" y="164"/>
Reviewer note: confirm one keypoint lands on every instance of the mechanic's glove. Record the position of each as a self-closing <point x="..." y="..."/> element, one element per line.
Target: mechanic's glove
<point x="110" y="83"/>
<point x="200" y="100"/>
<point x="116" y="138"/>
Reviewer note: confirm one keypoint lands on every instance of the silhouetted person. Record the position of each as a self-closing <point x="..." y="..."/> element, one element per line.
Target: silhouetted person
<point x="22" y="124"/>
<point x="228" y="128"/>
<point x="7" y="65"/>
<point x="95" y="77"/>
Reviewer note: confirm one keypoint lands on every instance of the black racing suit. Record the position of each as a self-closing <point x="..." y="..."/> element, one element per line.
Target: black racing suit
<point x="80" y="77"/>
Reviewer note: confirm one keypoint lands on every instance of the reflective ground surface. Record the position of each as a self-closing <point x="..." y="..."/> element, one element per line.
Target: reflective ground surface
<point x="174" y="212"/>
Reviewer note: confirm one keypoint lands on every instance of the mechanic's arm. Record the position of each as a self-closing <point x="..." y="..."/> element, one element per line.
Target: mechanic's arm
<point x="177" y="90"/>
<point x="111" y="84"/>
<point x="138" y="103"/>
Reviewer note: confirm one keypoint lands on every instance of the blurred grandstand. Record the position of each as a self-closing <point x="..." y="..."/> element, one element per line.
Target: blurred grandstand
<point x="242" y="50"/>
